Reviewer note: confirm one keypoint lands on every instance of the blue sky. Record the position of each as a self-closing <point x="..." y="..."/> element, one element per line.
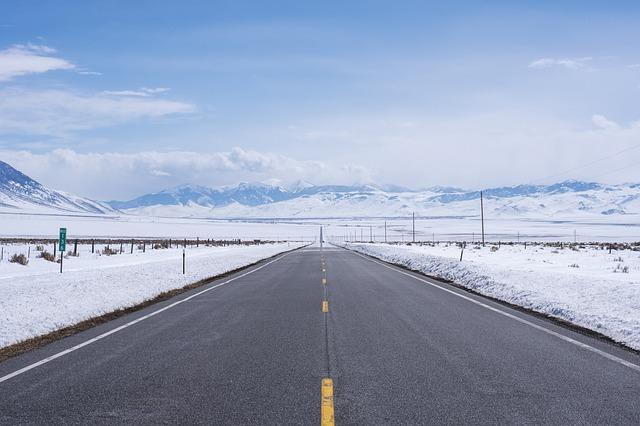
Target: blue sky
<point x="155" y="94"/>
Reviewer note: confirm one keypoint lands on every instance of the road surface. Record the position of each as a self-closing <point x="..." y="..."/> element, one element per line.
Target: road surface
<point x="255" y="347"/>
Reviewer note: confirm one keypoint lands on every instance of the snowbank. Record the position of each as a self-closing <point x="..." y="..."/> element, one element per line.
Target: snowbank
<point x="37" y="299"/>
<point x="585" y="287"/>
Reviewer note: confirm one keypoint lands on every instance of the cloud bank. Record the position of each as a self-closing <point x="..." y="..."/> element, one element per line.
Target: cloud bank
<point x="569" y="63"/>
<point x="59" y="112"/>
<point x="23" y="59"/>
<point x="125" y="175"/>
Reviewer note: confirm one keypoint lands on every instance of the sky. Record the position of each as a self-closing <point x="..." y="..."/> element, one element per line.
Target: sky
<point x="115" y="99"/>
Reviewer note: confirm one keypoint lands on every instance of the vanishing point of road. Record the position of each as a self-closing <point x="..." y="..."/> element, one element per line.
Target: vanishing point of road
<point x="316" y="336"/>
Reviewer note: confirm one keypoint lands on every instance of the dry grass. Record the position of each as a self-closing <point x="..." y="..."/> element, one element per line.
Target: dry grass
<point x="19" y="258"/>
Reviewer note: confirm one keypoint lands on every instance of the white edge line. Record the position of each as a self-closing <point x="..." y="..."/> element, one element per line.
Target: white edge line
<point x="513" y="317"/>
<point x="129" y="324"/>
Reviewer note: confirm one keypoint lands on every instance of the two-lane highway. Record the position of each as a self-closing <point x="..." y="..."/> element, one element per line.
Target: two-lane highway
<point x="254" y="348"/>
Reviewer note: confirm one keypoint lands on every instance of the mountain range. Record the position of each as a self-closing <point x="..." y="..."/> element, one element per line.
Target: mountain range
<point x="19" y="192"/>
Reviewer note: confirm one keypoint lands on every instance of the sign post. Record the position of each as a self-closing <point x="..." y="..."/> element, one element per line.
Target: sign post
<point x="62" y="245"/>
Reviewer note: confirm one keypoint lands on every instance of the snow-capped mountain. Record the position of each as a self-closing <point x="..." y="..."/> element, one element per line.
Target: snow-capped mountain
<point x="194" y="195"/>
<point x="568" y="199"/>
<point x="20" y="193"/>
<point x="303" y="200"/>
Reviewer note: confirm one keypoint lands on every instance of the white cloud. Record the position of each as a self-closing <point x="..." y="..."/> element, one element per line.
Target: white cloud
<point x="474" y="150"/>
<point x="570" y="63"/>
<point x="123" y="175"/>
<point x="143" y="92"/>
<point x="36" y="48"/>
<point x="603" y="122"/>
<point x="154" y="90"/>
<point x="58" y="112"/>
<point x="125" y="93"/>
<point x="87" y="72"/>
<point x="22" y="59"/>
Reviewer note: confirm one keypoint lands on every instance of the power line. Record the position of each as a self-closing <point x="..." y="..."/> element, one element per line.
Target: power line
<point x="616" y="170"/>
<point x="589" y="164"/>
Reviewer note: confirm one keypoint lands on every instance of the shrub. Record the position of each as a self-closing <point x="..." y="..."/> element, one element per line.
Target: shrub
<point x="109" y="251"/>
<point x="574" y="265"/>
<point x="19" y="258"/>
<point x="39" y="247"/>
<point x="620" y="268"/>
<point x="47" y="256"/>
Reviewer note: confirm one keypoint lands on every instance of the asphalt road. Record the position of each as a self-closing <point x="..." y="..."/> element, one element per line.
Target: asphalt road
<point x="255" y="350"/>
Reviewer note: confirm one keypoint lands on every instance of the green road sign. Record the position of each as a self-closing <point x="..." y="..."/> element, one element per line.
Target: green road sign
<point x="63" y="239"/>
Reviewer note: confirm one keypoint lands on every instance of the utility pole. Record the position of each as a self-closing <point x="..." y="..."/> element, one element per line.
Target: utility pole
<point x="321" y="237"/>
<point x="370" y="233"/>
<point x="413" y="216"/>
<point x="482" y="216"/>
<point x="385" y="231"/>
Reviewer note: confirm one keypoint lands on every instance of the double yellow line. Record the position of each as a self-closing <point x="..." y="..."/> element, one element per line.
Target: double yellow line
<point x="326" y="415"/>
<point x="325" y="302"/>
<point x="326" y="390"/>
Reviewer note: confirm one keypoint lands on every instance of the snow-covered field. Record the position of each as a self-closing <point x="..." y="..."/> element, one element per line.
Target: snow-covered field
<point x="36" y="299"/>
<point x="603" y="228"/>
<point x="497" y="229"/>
<point x="587" y="286"/>
<point x="127" y="226"/>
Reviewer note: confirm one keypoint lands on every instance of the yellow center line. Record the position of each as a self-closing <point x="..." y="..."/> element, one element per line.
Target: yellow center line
<point x="325" y="306"/>
<point x="326" y="410"/>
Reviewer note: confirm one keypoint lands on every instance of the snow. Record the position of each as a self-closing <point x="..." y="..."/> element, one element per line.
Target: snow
<point x="565" y="201"/>
<point x="585" y="286"/>
<point x="36" y="299"/>
<point x="604" y="228"/>
<point x="19" y="192"/>
<point x="127" y="226"/>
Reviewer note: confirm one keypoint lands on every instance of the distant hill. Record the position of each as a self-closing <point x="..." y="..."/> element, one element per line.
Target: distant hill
<point x="303" y="200"/>
<point x="568" y="199"/>
<point x="20" y="193"/>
